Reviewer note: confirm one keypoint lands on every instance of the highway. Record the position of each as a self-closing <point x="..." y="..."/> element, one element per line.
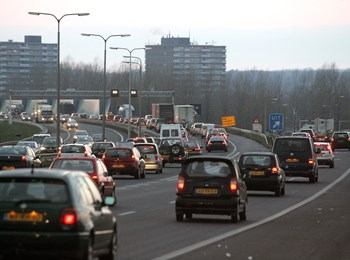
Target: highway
<point x="288" y="227"/>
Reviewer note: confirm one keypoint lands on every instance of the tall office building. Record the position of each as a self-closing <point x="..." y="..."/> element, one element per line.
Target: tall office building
<point x="26" y="65"/>
<point x="186" y="64"/>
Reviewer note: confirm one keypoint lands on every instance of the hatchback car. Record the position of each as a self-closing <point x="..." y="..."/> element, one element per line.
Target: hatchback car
<point x="72" y="124"/>
<point x="324" y="154"/>
<point x="124" y="161"/>
<point x="79" y="133"/>
<point x="84" y="140"/>
<point x="310" y="131"/>
<point x="98" y="148"/>
<point x="75" y="150"/>
<point x="94" y="167"/>
<point x="340" y="140"/>
<point x="54" y="214"/>
<point x="192" y="148"/>
<point x="13" y="157"/>
<point x="216" y="142"/>
<point x="150" y="153"/>
<point x="262" y="171"/>
<point x="211" y="185"/>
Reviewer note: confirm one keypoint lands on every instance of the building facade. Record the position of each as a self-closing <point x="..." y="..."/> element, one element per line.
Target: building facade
<point x="26" y="65"/>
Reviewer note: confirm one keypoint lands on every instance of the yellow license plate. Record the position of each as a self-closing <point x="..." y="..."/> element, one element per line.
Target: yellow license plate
<point x="207" y="191"/>
<point x="292" y="160"/>
<point x="8" y="167"/>
<point x="257" y="173"/>
<point x="24" y="216"/>
<point x="118" y="166"/>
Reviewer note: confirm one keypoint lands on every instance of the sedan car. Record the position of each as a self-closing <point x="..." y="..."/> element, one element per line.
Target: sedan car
<point x="79" y="133"/>
<point x="72" y="124"/>
<point x="49" y="145"/>
<point x="32" y="144"/>
<point x="216" y="142"/>
<point x="94" y="167"/>
<point x="262" y="171"/>
<point x="54" y="214"/>
<point x="84" y="140"/>
<point x="324" y="154"/>
<point x="13" y="157"/>
<point x="68" y="150"/>
<point x="211" y="185"/>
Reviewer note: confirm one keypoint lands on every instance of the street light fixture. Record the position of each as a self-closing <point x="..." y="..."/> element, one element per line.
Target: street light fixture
<point x="104" y="75"/>
<point x="58" y="111"/>
<point x="130" y="52"/>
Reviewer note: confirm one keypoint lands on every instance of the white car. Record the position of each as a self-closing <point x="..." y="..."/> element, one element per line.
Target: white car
<point x="75" y="150"/>
<point x="72" y="124"/>
<point x="79" y="133"/>
<point x="324" y="154"/>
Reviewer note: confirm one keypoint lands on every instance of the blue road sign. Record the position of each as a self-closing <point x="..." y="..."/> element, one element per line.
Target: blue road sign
<point x="276" y="122"/>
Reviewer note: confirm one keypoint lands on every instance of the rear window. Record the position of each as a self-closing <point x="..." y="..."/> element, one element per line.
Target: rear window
<point x="170" y="132"/>
<point x="73" y="149"/>
<point x="259" y="160"/>
<point x="22" y="189"/>
<point x="146" y="149"/>
<point x="121" y="153"/>
<point x="207" y="168"/>
<point x="78" y="165"/>
<point x="340" y="135"/>
<point x="103" y="146"/>
<point x="292" y="145"/>
<point x="13" y="150"/>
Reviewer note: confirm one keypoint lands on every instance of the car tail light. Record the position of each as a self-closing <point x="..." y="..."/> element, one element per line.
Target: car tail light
<point x="223" y="143"/>
<point x="274" y="170"/>
<point x="197" y="149"/>
<point x="94" y="177"/>
<point x="233" y="185"/>
<point x="180" y="183"/>
<point x="103" y="156"/>
<point x="329" y="148"/>
<point x="209" y="143"/>
<point x="85" y="154"/>
<point x="156" y="157"/>
<point x="24" y="158"/>
<point x="311" y="161"/>
<point x="68" y="217"/>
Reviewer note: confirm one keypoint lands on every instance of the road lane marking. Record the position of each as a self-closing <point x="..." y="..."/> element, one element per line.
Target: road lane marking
<point x="126" y="213"/>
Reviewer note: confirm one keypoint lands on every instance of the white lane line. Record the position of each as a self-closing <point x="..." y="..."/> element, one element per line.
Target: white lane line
<point x="245" y="228"/>
<point x="172" y="202"/>
<point x="121" y="137"/>
<point x="126" y="213"/>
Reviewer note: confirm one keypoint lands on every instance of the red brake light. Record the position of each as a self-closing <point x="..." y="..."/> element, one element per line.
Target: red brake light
<point x="180" y="183"/>
<point x="24" y="158"/>
<point x="68" y="216"/>
<point x="274" y="170"/>
<point x="94" y="177"/>
<point x="311" y="161"/>
<point x="233" y="185"/>
<point x="133" y="156"/>
<point x="103" y="156"/>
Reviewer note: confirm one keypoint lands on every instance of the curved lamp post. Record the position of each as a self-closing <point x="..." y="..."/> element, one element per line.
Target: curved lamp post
<point x="58" y="68"/>
<point x="104" y="76"/>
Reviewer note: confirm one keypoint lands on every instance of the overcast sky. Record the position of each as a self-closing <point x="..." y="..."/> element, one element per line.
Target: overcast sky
<point x="261" y="34"/>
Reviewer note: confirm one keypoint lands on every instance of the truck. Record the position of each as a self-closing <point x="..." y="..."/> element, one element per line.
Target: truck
<point x="43" y="113"/>
<point x="184" y="114"/>
<point x="322" y="127"/>
<point x="164" y="112"/>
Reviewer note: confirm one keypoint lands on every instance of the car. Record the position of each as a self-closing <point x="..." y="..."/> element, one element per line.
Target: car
<point x="310" y="131"/>
<point x="98" y="148"/>
<point x="76" y="149"/>
<point x="84" y="140"/>
<point x="297" y="156"/>
<point x="15" y="156"/>
<point x="303" y="134"/>
<point x="192" y="148"/>
<point x="340" y="140"/>
<point x="150" y="139"/>
<point x="72" y="124"/>
<point x="32" y="144"/>
<point x="150" y="153"/>
<point x="136" y="140"/>
<point x="45" y="209"/>
<point x="206" y="128"/>
<point x="74" y="115"/>
<point x="170" y="131"/>
<point x="172" y="150"/>
<point x="93" y="117"/>
<point x="93" y="166"/>
<point x="324" y="154"/>
<point x="262" y="171"/>
<point x="39" y="138"/>
<point x="216" y="142"/>
<point x="25" y="116"/>
<point x="79" y="133"/>
<point x="211" y="185"/>
<point x="64" y="118"/>
<point x="124" y="161"/>
<point x="196" y="129"/>
<point x="222" y="131"/>
<point x="83" y="115"/>
<point x="49" y="145"/>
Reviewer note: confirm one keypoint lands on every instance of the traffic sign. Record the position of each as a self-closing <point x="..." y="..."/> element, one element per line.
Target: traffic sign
<point x="276" y="122"/>
<point x="228" y="121"/>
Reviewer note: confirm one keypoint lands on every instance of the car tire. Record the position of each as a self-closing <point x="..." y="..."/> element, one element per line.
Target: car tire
<point x="179" y="216"/>
<point x="89" y="250"/>
<point x="137" y="175"/>
<point x="312" y="178"/>
<point x="188" y="215"/>
<point x="243" y="214"/>
<point x="113" y="249"/>
<point x="143" y="174"/>
<point x="283" y="191"/>
<point x="331" y="165"/>
<point x="235" y="215"/>
<point x="225" y="150"/>
<point x="175" y="149"/>
<point x="278" y="191"/>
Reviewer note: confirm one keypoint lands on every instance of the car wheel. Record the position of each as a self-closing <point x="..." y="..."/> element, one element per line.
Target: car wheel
<point x="188" y="215"/>
<point x="89" y="250"/>
<point x="225" y="150"/>
<point x="331" y="165"/>
<point x="209" y="151"/>
<point x="243" y="215"/>
<point x="137" y="175"/>
<point x="235" y="215"/>
<point x="312" y="178"/>
<point x="179" y="217"/>
<point x="278" y="191"/>
<point x="143" y="174"/>
<point x="175" y="149"/>
<point x="113" y="249"/>
<point x="283" y="191"/>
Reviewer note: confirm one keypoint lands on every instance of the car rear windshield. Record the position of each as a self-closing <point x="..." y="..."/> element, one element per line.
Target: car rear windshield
<point x="259" y="160"/>
<point x="121" y="153"/>
<point x="73" y="149"/>
<point x="146" y="149"/>
<point x="207" y="168"/>
<point x="103" y="146"/>
<point x="36" y="190"/>
<point x="341" y="135"/>
<point x="78" y="165"/>
<point x="292" y="145"/>
<point x="13" y="150"/>
<point x="170" y="132"/>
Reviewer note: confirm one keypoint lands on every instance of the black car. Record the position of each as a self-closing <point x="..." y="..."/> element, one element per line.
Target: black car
<point x="216" y="142"/>
<point x="340" y="140"/>
<point x="211" y="185"/>
<point x="98" y="148"/>
<point x="262" y="171"/>
<point x="49" y="145"/>
<point x="13" y="157"/>
<point x="172" y="150"/>
<point x="54" y="214"/>
<point x="297" y="156"/>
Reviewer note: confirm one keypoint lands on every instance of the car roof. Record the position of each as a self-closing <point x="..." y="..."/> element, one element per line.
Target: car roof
<point x="208" y="158"/>
<point x="39" y="173"/>
<point x="258" y="153"/>
<point x="76" y="158"/>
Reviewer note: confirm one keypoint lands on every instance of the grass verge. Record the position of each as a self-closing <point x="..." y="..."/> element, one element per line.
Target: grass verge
<point x="16" y="131"/>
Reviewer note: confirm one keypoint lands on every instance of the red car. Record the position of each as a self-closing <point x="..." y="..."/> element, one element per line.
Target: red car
<point x="94" y="167"/>
<point x="124" y="161"/>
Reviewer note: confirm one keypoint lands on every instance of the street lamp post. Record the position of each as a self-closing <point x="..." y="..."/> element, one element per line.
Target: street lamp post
<point x="104" y="76"/>
<point x="58" y="111"/>
<point x="129" y="109"/>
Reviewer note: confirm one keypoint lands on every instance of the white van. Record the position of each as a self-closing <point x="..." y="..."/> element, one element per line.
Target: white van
<point x="170" y="130"/>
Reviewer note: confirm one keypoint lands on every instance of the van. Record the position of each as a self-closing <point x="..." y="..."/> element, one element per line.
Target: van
<point x="170" y="131"/>
<point x="297" y="156"/>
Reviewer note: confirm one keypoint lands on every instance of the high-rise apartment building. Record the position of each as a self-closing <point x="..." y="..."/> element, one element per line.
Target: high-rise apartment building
<point x="28" y="64"/>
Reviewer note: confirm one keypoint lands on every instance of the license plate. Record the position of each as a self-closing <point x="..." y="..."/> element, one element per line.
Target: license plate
<point x="118" y="166"/>
<point x="23" y="216"/>
<point x="257" y="173"/>
<point x="8" y="167"/>
<point x="292" y="160"/>
<point x="206" y="191"/>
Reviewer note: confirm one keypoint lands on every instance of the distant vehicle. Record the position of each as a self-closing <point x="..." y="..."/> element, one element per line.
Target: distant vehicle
<point x="39" y="138"/>
<point x="170" y="131"/>
<point x="262" y="171"/>
<point x="216" y="142"/>
<point x="192" y="148"/>
<point x="205" y="128"/>
<point x="98" y="148"/>
<point x="302" y="134"/>
<point x="297" y="156"/>
<point x="83" y="115"/>
<point x="93" y="117"/>
<point x="151" y="156"/>
<point x="324" y="154"/>
<point x="64" y="118"/>
<point x="137" y="140"/>
<point x="196" y="129"/>
<point x="163" y="111"/>
<point x="32" y="144"/>
<point x="79" y="133"/>
<point x="74" y="115"/>
<point x="59" y="207"/>
<point x="81" y="150"/>
<point x="340" y="140"/>
<point x="43" y="113"/>
<point x="172" y="150"/>
<point x="25" y="116"/>
<point x="211" y="185"/>
<point x="310" y="131"/>
<point x="49" y="145"/>
<point x="13" y="157"/>
<point x="84" y="140"/>
<point x="93" y="166"/>
<point x="72" y="124"/>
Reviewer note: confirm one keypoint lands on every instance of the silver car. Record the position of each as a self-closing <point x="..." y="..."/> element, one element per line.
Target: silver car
<point x="150" y="154"/>
<point x="325" y="155"/>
